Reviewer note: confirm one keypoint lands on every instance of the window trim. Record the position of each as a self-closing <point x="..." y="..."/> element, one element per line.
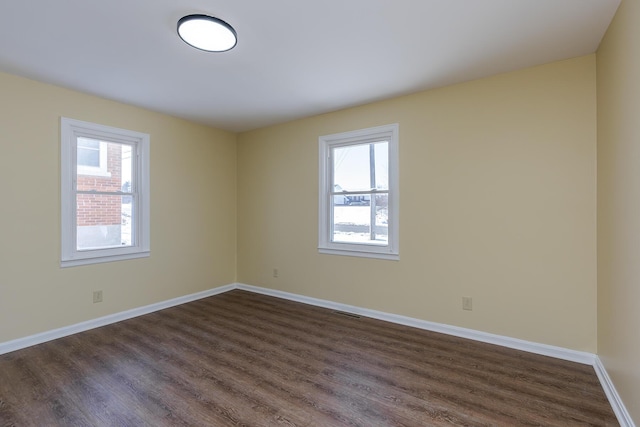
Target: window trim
<point x="70" y="130"/>
<point x="391" y="251"/>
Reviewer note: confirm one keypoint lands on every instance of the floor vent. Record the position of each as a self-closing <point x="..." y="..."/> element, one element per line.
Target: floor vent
<point x="344" y="313"/>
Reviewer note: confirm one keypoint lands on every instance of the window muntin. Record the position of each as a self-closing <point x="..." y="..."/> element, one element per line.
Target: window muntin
<point x="359" y="193"/>
<point x="105" y="216"/>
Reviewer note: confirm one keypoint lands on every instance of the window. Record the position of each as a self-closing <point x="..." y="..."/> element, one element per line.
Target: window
<point x="105" y="193"/>
<point x="359" y="197"/>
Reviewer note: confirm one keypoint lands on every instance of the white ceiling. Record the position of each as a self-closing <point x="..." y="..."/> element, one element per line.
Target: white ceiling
<point x="294" y="58"/>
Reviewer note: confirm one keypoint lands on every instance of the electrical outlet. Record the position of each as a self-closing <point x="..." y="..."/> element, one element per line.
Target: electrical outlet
<point x="467" y="303"/>
<point x="97" y="296"/>
<point x="275" y="272"/>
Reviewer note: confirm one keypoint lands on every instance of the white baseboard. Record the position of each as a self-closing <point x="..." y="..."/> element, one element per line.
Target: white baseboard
<point x="543" y="349"/>
<point x="21" y="343"/>
<point x="546" y="350"/>
<point x="624" y="418"/>
<point x="531" y="347"/>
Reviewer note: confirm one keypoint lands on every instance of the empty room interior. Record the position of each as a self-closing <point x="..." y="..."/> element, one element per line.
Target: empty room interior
<point x="504" y="214"/>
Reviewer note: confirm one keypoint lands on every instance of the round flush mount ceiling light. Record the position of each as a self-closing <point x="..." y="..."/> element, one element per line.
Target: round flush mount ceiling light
<point x="207" y="33"/>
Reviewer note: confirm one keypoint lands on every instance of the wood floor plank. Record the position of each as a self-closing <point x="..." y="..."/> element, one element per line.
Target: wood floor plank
<point x="244" y="359"/>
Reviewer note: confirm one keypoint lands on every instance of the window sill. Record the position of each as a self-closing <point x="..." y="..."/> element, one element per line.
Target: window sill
<point x="103" y="259"/>
<point x="361" y="254"/>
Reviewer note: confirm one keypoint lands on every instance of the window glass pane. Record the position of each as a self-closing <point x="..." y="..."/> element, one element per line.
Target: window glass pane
<point x="103" y="221"/>
<point x="126" y="236"/>
<point x="114" y="158"/>
<point x="352" y="222"/>
<point x="88" y="152"/>
<point x="361" y="167"/>
<point x="126" y="159"/>
<point x="381" y="156"/>
<point x="381" y="202"/>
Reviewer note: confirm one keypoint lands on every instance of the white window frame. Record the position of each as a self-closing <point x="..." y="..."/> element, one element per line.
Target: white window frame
<point x="70" y="130"/>
<point x="326" y="245"/>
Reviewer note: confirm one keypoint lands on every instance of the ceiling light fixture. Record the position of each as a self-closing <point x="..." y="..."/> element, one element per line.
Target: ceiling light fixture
<point x="207" y="33"/>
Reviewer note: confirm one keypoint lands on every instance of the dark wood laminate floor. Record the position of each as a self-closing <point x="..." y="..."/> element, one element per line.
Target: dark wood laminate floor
<point x="243" y="359"/>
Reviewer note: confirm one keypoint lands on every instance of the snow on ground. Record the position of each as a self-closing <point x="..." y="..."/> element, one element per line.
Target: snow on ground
<point x="125" y="229"/>
<point x="351" y="224"/>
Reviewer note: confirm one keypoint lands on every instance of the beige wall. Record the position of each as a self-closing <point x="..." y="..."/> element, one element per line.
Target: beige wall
<point x="618" y="65"/>
<point x="498" y="202"/>
<point x="193" y="221"/>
